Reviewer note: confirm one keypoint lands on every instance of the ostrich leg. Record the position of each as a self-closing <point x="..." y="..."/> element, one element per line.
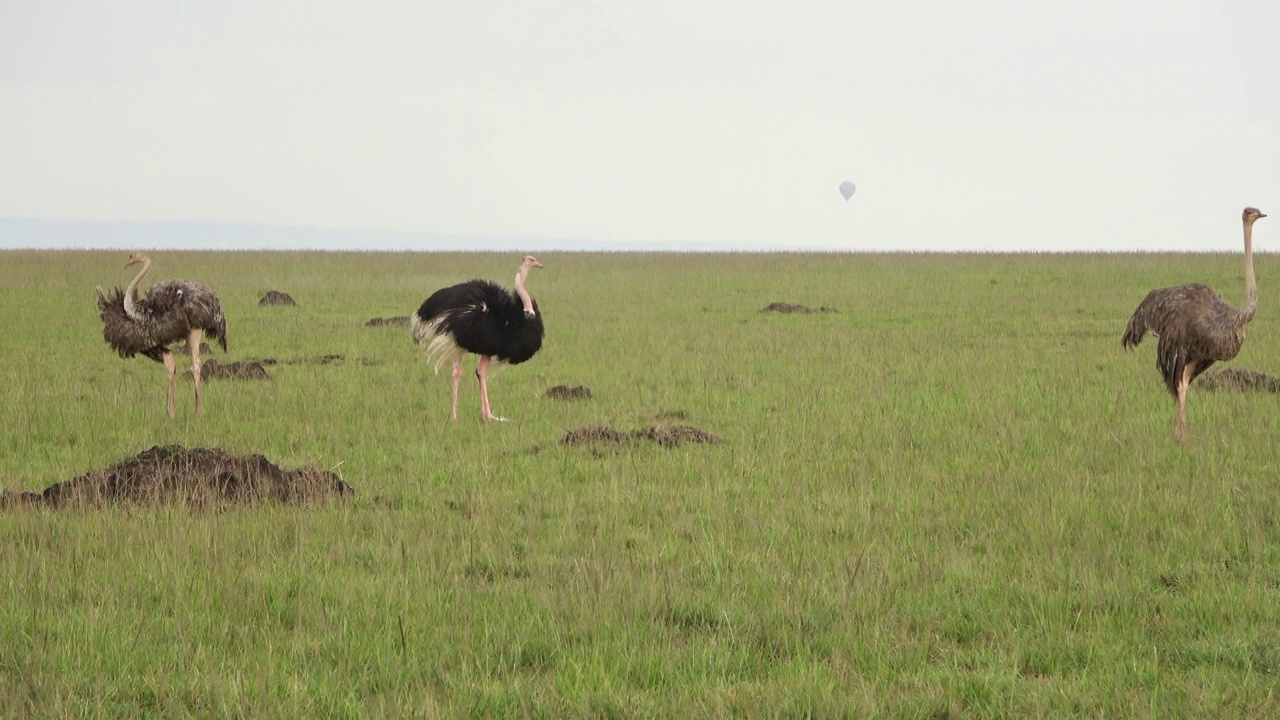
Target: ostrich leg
<point x="482" y="372"/>
<point x="1180" y="423"/>
<point x="171" y="368"/>
<point x="457" y="378"/>
<point x="193" y="342"/>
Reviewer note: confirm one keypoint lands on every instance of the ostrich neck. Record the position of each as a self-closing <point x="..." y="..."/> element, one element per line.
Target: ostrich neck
<point x="131" y="293"/>
<point x="1250" y="283"/>
<point x="524" y="294"/>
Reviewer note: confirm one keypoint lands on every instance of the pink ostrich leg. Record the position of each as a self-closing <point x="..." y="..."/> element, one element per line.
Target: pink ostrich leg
<point x="482" y="372"/>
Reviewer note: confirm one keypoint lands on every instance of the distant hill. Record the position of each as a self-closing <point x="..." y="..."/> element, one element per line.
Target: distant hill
<point x="23" y="233"/>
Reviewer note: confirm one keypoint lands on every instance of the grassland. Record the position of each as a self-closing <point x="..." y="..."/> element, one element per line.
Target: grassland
<point x="958" y="497"/>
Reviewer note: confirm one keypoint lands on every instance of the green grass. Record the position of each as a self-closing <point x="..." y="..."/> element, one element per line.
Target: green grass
<point x="956" y="498"/>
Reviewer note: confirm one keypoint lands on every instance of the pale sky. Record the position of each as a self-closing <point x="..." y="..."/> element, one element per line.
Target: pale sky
<point x="977" y="125"/>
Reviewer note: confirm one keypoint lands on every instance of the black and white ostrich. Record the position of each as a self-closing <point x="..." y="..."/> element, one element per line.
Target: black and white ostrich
<point x="483" y="318"/>
<point x="171" y="312"/>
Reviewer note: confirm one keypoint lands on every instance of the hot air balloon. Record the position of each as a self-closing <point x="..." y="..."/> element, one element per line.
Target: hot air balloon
<point x="847" y="189"/>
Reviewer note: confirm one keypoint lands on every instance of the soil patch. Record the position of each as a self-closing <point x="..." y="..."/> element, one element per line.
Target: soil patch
<point x="564" y="392"/>
<point x="275" y="297"/>
<point x="673" y="435"/>
<point x="1240" y="381"/>
<point x="185" y="348"/>
<point x="172" y="474"/>
<point x="665" y="435"/>
<point x="241" y="370"/>
<point x="333" y="359"/>
<point x="594" y="435"/>
<point x="398" y="321"/>
<point x="788" y="308"/>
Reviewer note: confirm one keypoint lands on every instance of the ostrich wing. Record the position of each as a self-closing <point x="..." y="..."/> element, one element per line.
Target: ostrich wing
<point x="1163" y="310"/>
<point x="178" y="306"/>
<point x="481" y="317"/>
<point x="497" y="325"/>
<point x="1193" y="324"/>
<point x="124" y="334"/>
<point x="166" y="315"/>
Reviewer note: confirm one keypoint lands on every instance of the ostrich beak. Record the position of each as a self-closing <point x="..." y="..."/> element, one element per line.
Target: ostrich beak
<point x="1261" y="214"/>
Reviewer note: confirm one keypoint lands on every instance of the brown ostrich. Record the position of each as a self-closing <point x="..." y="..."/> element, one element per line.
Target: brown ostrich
<point x="171" y="312"/>
<point x="1195" y="327"/>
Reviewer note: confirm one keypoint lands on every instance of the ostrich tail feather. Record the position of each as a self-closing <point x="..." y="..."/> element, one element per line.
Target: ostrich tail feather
<point x="440" y="346"/>
<point x="1134" y="331"/>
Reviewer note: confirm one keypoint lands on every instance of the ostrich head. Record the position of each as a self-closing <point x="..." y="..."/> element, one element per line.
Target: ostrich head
<point x="135" y="258"/>
<point x="1251" y="213"/>
<point x="530" y="262"/>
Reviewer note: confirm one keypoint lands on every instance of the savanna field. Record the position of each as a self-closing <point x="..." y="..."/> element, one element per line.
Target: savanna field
<point x="956" y="497"/>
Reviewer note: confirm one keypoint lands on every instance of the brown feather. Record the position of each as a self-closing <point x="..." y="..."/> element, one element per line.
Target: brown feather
<point x="165" y="316"/>
<point x="1195" y="327"/>
<point x="1193" y="324"/>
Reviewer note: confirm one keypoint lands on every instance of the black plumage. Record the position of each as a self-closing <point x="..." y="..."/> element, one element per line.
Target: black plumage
<point x="485" y="318"/>
<point x="482" y="318"/>
<point x="171" y="312"/>
<point x="1195" y="327"/>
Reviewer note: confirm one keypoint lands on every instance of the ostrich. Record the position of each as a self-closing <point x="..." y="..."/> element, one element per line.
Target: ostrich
<point x="1195" y="327"/>
<point x="172" y="311"/>
<point x="483" y="318"/>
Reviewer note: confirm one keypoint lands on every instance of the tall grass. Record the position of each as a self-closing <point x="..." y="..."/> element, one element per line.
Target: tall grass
<point x="957" y="497"/>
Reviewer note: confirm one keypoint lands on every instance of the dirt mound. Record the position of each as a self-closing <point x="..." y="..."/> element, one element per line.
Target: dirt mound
<point x="665" y="435"/>
<point x="275" y="297"/>
<point x="10" y="499"/>
<point x="1240" y="380"/>
<point x="185" y="348"/>
<point x="332" y="359"/>
<point x="564" y="392"/>
<point x="172" y="474"/>
<point x="673" y="435"/>
<point x="788" y="308"/>
<point x="241" y="370"/>
<point x="594" y="435"/>
<point x="398" y="321"/>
